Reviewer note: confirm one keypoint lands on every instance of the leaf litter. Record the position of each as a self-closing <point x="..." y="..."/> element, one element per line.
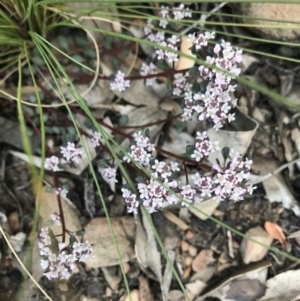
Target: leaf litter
<point x="207" y="251"/>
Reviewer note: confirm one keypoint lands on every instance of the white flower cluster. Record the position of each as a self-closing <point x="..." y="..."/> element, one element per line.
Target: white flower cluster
<point x="141" y="150"/>
<point x="70" y="153"/>
<point x="153" y="195"/>
<point x="158" y="36"/>
<point x="96" y="139"/>
<point x="148" y="70"/>
<point x="180" y="85"/>
<point x="203" y="146"/>
<point x="228" y="181"/>
<point x="110" y="174"/>
<point x="120" y="83"/>
<point x="55" y="218"/>
<point x="61" y="265"/>
<point x="62" y="192"/>
<point x="216" y="102"/>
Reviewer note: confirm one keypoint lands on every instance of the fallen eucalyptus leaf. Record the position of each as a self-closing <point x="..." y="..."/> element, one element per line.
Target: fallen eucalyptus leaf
<point x="97" y="232"/>
<point x="238" y="137"/>
<point x="274" y="183"/>
<point x="49" y="205"/>
<point x="283" y="287"/>
<point x="257" y="271"/>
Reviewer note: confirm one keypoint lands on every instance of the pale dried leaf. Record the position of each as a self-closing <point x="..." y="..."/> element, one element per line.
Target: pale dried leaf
<point x="101" y="93"/>
<point x="49" y="205"/>
<point x="85" y="158"/>
<point x="145" y="115"/>
<point x="17" y="241"/>
<point x="122" y="109"/>
<point x="246" y="290"/>
<point x="275" y="186"/>
<point x="145" y="240"/>
<point x="176" y="295"/>
<point x="174" y="219"/>
<point x="113" y="276"/>
<point x="168" y="274"/>
<point x="10" y="134"/>
<point x="283" y="287"/>
<point x="37" y="161"/>
<point x="26" y="91"/>
<point x="170" y="105"/>
<point x="138" y="32"/>
<point x="102" y="23"/>
<point x="98" y="233"/>
<point x="160" y="88"/>
<point x="238" y="137"/>
<point x="138" y="94"/>
<point x="176" y="141"/>
<point x="206" y="206"/>
<point x="251" y="251"/>
<point x="195" y="288"/>
<point x="257" y="271"/>
<point x="294" y="234"/>
<point x="36" y="272"/>
<point x="247" y="61"/>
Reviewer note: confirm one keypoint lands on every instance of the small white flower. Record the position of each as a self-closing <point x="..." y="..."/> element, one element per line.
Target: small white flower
<point x="55" y="218"/>
<point x="52" y="163"/>
<point x="120" y="84"/>
<point x="231" y="117"/>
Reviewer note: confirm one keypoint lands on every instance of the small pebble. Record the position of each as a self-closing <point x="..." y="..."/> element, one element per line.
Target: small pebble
<point x="184" y="246"/>
<point x="188" y="261"/>
<point x="126" y="267"/>
<point x="189" y="234"/>
<point x="192" y="251"/>
<point x="63" y="286"/>
<point x="108" y="292"/>
<point x="202" y="260"/>
<point x="134" y="294"/>
<point x="187" y="272"/>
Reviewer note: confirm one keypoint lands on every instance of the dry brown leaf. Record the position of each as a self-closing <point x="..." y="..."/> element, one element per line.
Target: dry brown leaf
<point x="276" y="232"/>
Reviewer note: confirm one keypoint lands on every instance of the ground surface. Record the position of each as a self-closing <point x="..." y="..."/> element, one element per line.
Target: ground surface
<point x="204" y="253"/>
